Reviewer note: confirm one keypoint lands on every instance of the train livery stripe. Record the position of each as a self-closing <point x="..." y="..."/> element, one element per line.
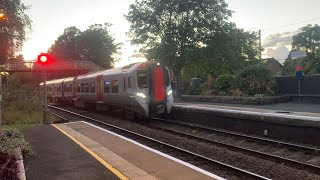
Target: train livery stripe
<point x="97" y="157"/>
<point x="158" y="75"/>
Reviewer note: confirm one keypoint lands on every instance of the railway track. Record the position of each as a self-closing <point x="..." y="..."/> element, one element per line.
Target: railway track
<point x="267" y="156"/>
<point x="241" y="173"/>
<point x="307" y="149"/>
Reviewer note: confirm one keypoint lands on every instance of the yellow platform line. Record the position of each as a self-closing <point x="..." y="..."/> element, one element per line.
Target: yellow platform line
<point x="97" y="157"/>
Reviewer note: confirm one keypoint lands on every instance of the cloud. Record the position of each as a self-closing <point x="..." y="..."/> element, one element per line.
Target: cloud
<point x="279" y="39"/>
<point x="278" y="53"/>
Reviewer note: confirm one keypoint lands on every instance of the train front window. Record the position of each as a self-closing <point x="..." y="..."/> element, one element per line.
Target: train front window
<point x="142" y="79"/>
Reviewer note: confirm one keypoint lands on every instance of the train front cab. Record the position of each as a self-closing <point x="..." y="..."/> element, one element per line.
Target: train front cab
<point x="160" y="92"/>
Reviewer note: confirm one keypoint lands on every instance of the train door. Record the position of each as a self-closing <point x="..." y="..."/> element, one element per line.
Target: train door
<point x="99" y="92"/>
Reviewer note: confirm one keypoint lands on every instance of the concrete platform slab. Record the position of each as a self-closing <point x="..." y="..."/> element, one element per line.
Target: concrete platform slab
<point x="58" y="157"/>
<point x="132" y="159"/>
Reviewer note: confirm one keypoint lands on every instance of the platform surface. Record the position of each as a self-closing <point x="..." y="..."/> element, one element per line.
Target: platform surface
<point x="295" y="111"/>
<point x="132" y="159"/>
<point x="58" y="157"/>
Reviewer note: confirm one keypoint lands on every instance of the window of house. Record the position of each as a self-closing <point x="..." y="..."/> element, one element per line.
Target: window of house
<point x="115" y="86"/>
<point x="107" y="87"/>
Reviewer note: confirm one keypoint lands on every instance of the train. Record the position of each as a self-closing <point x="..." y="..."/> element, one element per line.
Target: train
<point x="140" y="89"/>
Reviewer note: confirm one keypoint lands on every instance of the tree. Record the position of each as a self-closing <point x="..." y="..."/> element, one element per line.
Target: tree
<point x="98" y="46"/>
<point x="66" y="47"/>
<point x="172" y="31"/>
<point x="13" y="25"/>
<point x="308" y="40"/>
<point x="226" y="52"/>
<point x="94" y="44"/>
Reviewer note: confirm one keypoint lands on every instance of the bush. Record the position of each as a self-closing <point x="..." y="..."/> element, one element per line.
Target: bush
<point x="255" y="80"/>
<point x="225" y="83"/>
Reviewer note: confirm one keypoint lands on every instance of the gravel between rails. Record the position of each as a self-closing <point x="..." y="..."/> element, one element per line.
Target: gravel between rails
<point x="256" y="165"/>
<point x="299" y="155"/>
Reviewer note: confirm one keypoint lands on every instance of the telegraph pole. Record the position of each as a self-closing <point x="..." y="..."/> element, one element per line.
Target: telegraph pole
<point x="260" y="47"/>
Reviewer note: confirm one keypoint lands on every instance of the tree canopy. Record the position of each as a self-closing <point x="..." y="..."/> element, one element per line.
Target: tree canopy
<point x="13" y="26"/>
<point x="227" y="52"/>
<point x="172" y="31"/>
<point x="93" y="44"/>
<point x="308" y="41"/>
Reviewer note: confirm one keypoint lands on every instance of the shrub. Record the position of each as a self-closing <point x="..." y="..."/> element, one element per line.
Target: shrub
<point x="255" y="80"/>
<point x="11" y="139"/>
<point x="225" y="83"/>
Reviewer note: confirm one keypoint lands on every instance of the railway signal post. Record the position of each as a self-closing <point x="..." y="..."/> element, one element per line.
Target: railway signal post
<point x="43" y="60"/>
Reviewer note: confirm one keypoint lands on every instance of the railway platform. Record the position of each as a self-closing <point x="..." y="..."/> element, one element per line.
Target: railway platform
<point x="57" y="157"/>
<point x="293" y="122"/>
<point x="283" y="113"/>
<point x="125" y="158"/>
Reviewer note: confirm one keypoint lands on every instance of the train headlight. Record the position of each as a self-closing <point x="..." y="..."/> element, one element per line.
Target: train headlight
<point x="141" y="95"/>
<point x="169" y="92"/>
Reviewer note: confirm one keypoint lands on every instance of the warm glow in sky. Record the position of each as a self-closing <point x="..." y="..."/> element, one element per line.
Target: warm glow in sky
<point x="51" y="17"/>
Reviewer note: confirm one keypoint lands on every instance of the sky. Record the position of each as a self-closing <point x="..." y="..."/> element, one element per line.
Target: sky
<point x="278" y="20"/>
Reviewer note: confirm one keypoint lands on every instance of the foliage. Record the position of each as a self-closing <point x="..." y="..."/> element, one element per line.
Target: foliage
<point x="225" y="53"/>
<point x="255" y="80"/>
<point x="21" y="104"/>
<point x="11" y="139"/>
<point x="290" y="64"/>
<point x="13" y="27"/>
<point x="225" y="83"/>
<point x="8" y="167"/>
<point x="308" y="40"/>
<point x="173" y="31"/>
<point x="94" y="44"/>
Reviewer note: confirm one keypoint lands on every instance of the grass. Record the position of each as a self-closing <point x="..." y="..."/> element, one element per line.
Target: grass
<point x="20" y="119"/>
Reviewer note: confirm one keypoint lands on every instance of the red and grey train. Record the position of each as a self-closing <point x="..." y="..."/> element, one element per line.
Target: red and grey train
<point x="143" y="89"/>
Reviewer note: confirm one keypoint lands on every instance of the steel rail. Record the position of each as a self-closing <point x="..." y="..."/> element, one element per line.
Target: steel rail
<point x="259" y="139"/>
<point x="240" y="171"/>
<point x="278" y="159"/>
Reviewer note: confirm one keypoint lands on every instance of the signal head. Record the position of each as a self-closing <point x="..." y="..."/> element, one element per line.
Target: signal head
<point x="43" y="58"/>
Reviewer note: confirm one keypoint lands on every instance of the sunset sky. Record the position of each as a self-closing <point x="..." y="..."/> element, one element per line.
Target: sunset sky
<point x="278" y="20"/>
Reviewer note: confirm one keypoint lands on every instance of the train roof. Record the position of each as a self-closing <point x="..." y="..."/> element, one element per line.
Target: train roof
<point x="113" y="71"/>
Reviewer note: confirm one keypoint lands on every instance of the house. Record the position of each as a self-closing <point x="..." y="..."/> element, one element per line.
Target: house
<point x="274" y="66"/>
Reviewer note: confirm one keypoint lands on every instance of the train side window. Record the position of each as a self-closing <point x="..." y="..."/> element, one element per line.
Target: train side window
<point x="142" y="79"/>
<point x="129" y="82"/>
<point x="70" y="86"/>
<point x="107" y="87"/>
<point x="41" y="88"/>
<point x="86" y="87"/>
<point x="93" y="87"/>
<point x="115" y="86"/>
<point x="82" y="87"/>
<point x="78" y="88"/>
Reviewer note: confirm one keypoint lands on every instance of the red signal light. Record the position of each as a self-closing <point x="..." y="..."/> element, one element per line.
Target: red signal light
<point x="43" y="59"/>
